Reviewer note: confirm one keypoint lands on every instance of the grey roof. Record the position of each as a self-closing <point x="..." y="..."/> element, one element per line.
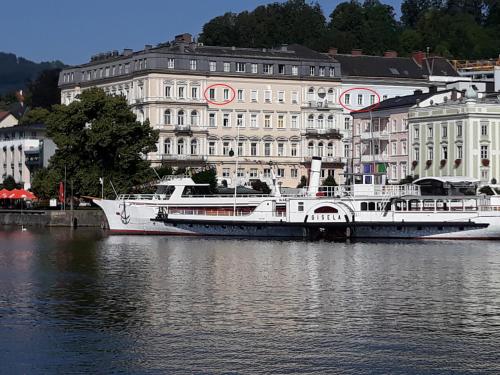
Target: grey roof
<point x="393" y="67"/>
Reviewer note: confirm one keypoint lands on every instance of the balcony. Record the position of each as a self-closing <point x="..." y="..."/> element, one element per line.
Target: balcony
<point x="183" y="129"/>
<point x="322" y="133"/>
<point x="374" y="158"/>
<point x="321" y="104"/>
<point x="187" y="158"/>
<point x="326" y="160"/>
<point x="382" y="135"/>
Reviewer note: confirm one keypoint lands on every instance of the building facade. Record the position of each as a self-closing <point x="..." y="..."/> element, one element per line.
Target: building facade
<point x="224" y="106"/>
<point x="457" y="138"/>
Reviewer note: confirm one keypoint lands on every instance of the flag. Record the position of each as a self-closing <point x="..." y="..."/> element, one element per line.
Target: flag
<point x="61" y="192"/>
<point x="101" y="180"/>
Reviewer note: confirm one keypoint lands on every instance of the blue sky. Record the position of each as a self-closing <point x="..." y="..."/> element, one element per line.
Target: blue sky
<point x="71" y="31"/>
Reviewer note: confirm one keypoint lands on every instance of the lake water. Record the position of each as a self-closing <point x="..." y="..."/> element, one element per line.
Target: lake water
<point x="82" y="301"/>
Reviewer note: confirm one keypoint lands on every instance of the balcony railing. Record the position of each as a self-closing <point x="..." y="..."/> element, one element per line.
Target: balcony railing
<point x="384" y="135"/>
<point x="326" y="159"/>
<point x="327" y="133"/>
<point x="165" y="157"/>
<point x="375" y="158"/>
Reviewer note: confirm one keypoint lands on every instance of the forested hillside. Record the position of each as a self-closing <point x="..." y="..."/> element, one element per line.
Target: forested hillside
<point x="451" y="28"/>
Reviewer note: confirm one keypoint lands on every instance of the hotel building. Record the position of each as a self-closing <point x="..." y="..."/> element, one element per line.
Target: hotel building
<point x="224" y="106"/>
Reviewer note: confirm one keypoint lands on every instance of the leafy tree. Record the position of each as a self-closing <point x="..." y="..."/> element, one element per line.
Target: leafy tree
<point x="261" y="186"/>
<point x="9" y="183"/>
<point x="34" y="116"/>
<point x="97" y="136"/>
<point x="44" y="92"/>
<point x="329" y="181"/>
<point x="206" y="176"/>
<point x="45" y="183"/>
<point x="303" y="182"/>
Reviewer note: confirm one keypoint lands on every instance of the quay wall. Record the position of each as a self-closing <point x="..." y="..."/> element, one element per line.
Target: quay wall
<point x="54" y="218"/>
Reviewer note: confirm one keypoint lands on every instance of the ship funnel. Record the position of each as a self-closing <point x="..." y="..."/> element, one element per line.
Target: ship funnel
<point x="314" y="176"/>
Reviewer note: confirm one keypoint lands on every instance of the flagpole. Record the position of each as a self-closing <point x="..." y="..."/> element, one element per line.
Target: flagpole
<point x="64" y="190"/>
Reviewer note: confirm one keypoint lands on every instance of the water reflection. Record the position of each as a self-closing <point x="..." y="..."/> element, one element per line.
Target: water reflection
<point x="84" y="301"/>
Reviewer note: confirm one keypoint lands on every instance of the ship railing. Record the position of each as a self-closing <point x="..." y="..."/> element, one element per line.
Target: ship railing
<point x="126" y="197"/>
<point x="396" y="190"/>
<point x="207" y="212"/>
<point x="172" y="177"/>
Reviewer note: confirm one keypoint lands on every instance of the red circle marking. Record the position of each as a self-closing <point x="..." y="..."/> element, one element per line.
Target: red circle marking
<point x="225" y="102"/>
<point x="369" y="108"/>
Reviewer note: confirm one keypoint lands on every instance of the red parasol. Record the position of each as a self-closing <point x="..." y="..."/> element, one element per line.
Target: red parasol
<point x="20" y="194"/>
<point x="4" y="193"/>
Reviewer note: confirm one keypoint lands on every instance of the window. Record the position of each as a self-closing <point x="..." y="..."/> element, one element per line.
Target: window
<point x="459" y="152"/>
<point x="180" y="147"/>
<point x="295" y="97"/>
<point x="267" y="149"/>
<point x="267" y="172"/>
<point x="294" y="173"/>
<point x="310" y="149"/>
<point x="281" y="122"/>
<point x="240" y="172"/>
<point x="267" y="121"/>
<point x="281" y="69"/>
<point x="404" y="170"/>
<point x="267" y="96"/>
<point x="459" y="129"/>
<point x="181" y="91"/>
<point x="240" y="148"/>
<point x="167" y="118"/>
<point x="322" y="71"/>
<point x="294" y="123"/>
<point x="330" y="122"/>
<point x="227" y="67"/>
<point x="484" y="129"/>
<point x="360" y="99"/>
<point x="293" y="149"/>
<point x="192" y="64"/>
<point x="253" y="149"/>
<point x="295" y="70"/>
<point x="212" y="66"/>
<point x="404" y="149"/>
<point x="168" y="91"/>
<point x="430" y="153"/>
<point x="485" y="174"/>
<point x="225" y="120"/>
<point x="240" y="67"/>
<point x="211" y="148"/>
<point x="254" y="96"/>
<point x="167" y="146"/>
<point x="444" y="131"/>
<point x="211" y="94"/>
<point x="372" y="99"/>
<point x="330" y="96"/>
<point x="240" y="95"/>
<point x="281" y="149"/>
<point x="310" y="121"/>
<point x="170" y="64"/>
<point x="300" y="206"/>
<point x="384" y="97"/>
<point x="194" y="147"/>
<point x="320" y="122"/>
<point x="312" y="70"/>
<point x="430" y="131"/>
<point x="281" y="96"/>
<point x="107" y="71"/>
<point x="394" y="148"/>
<point x="416" y="132"/>
<point x="484" y="152"/>
<point x="211" y="120"/>
<point x="225" y="172"/>
<point x="225" y="148"/>
<point x="280" y="172"/>
<point x="394" y="171"/>
<point x="240" y="120"/>
<point x="226" y="94"/>
<point x="330" y="150"/>
<point x="253" y="173"/>
<point x="444" y="152"/>
<point x="346" y="151"/>
<point x="267" y="68"/>
<point x="332" y="71"/>
<point x="127" y="68"/>
<point x="347" y="122"/>
<point x="347" y="99"/>
<point x="194" y="92"/>
<point x="254" y="68"/>
<point x="416" y="154"/>
<point x="253" y="120"/>
<point x="180" y="117"/>
<point x="194" y="118"/>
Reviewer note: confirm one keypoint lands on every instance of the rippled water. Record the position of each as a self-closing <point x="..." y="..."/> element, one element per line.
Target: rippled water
<point x="81" y="301"/>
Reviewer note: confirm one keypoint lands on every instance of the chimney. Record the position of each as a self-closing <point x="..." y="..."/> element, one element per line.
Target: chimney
<point x="357" y="52"/>
<point x="127" y="52"/>
<point x="417" y="92"/>
<point x="183" y="38"/>
<point x="418" y="56"/>
<point x="390" y="54"/>
<point x="332" y="51"/>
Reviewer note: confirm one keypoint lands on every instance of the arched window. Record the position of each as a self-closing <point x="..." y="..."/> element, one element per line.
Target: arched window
<point x="167" y="146"/>
<point x="310" y="93"/>
<point x="321" y="122"/>
<point x="310" y="121"/>
<point x="180" y="146"/>
<point x="331" y="96"/>
<point x="329" y="122"/>
<point x="167" y="117"/>
<point x="321" y="93"/>
<point x="180" y="117"/>
<point x="331" y="150"/>
<point x="320" y="149"/>
<point x="194" y="147"/>
<point x="194" y="118"/>
<point x="364" y="206"/>
<point x="371" y="206"/>
<point x="310" y="148"/>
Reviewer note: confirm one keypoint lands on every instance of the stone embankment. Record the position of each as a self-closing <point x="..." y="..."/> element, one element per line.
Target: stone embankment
<point x="54" y="218"/>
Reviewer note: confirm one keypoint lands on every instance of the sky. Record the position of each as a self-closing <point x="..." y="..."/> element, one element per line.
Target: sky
<point x="72" y="31"/>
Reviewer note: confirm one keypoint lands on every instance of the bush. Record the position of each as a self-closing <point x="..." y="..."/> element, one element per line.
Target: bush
<point x="261" y="186"/>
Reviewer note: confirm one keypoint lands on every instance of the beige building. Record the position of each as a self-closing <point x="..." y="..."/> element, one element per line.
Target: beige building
<point x="224" y="106"/>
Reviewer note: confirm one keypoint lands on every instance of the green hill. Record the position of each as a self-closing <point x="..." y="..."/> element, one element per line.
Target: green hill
<point x="16" y="71"/>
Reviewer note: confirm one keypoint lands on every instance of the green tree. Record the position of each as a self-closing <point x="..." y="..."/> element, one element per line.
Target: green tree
<point x="261" y="186"/>
<point x="44" y="92"/>
<point x="98" y="136"/>
<point x="303" y="182"/>
<point x="9" y="183"/>
<point x="329" y="181"/>
<point x="34" y="116"/>
<point x="206" y="176"/>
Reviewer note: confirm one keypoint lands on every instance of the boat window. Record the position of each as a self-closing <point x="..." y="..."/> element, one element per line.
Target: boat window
<point x="165" y="189"/>
<point x="364" y="206"/>
<point x="368" y="180"/>
<point x="371" y="206"/>
<point x="325" y="210"/>
<point x="300" y="206"/>
<point x="196" y="191"/>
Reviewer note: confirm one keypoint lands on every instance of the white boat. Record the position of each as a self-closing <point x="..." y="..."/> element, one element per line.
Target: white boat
<point x="362" y="210"/>
<point x="132" y="213"/>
